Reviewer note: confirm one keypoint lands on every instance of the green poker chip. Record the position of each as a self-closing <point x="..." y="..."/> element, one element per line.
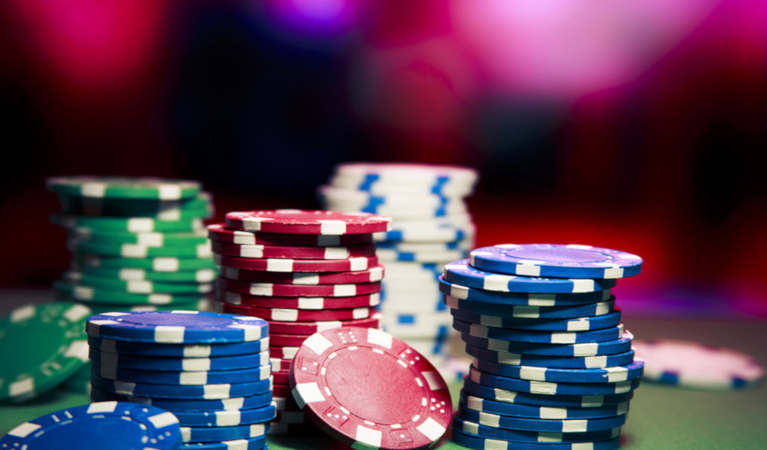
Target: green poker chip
<point x="91" y="294"/>
<point x="154" y="239"/>
<point x="83" y="224"/>
<point x="140" y="251"/>
<point x="167" y="264"/>
<point x="118" y="187"/>
<point x="137" y="287"/>
<point x="161" y="209"/>
<point x="42" y="346"/>
<point x="128" y="274"/>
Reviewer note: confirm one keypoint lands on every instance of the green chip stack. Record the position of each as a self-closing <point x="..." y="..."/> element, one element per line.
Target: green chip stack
<point x="137" y="244"/>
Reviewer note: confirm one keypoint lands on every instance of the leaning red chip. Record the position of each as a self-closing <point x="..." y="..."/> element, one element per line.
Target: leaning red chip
<point x="308" y="328"/>
<point x="299" y="315"/>
<point x="295" y="221"/>
<point x="303" y="303"/>
<point x="219" y="233"/>
<point x="284" y="251"/>
<point x="297" y="265"/>
<point x="367" y="387"/>
<point x="370" y="275"/>
<point x="298" y="290"/>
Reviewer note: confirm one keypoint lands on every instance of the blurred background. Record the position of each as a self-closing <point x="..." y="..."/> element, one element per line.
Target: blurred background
<point x="640" y="126"/>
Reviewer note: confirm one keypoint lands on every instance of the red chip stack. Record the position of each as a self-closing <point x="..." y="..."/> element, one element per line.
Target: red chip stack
<point x="303" y="272"/>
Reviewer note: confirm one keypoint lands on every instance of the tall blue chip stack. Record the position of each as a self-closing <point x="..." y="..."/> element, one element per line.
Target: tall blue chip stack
<point x="552" y="362"/>
<point x="431" y="226"/>
<point x="211" y="370"/>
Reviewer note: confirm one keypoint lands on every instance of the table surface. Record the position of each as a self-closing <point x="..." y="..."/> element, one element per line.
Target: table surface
<point x="661" y="417"/>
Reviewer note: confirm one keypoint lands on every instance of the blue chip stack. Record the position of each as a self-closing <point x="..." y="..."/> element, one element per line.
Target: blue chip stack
<point x="431" y="226"/>
<point x="552" y="365"/>
<point x="211" y="370"/>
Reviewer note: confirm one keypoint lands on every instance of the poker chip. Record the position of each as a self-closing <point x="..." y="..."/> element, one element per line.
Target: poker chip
<point x="227" y="418"/>
<point x="207" y="392"/>
<point x="130" y="274"/>
<point x="298" y="290"/>
<point x="114" y="425"/>
<point x="197" y="405"/>
<point x="370" y="275"/>
<point x="136" y="286"/>
<point x="120" y="361"/>
<point x="202" y="250"/>
<point x="386" y="254"/>
<point x="177" y="327"/>
<point x="112" y="224"/>
<point x="540" y="425"/>
<point x="92" y="294"/>
<point x="244" y="444"/>
<point x="301" y="303"/>
<point x="131" y="188"/>
<point x="552" y="260"/>
<point x="220" y="233"/>
<point x="300" y="315"/>
<point x="520" y="359"/>
<point x="279" y="364"/>
<point x="162" y="264"/>
<point x="178" y="350"/>
<point x="409" y="395"/>
<point x="309" y="328"/>
<point x="218" y="434"/>
<point x="267" y="251"/>
<point x="292" y="221"/>
<point x="559" y="401"/>
<point x="44" y="345"/>
<point x="283" y="352"/>
<point x="579" y="324"/>
<point x="460" y="272"/>
<point x="621" y="345"/>
<point x="538" y="412"/>
<point x="150" y="239"/>
<point x="479" y="442"/>
<point x="298" y="265"/>
<point x="542" y="337"/>
<point x="537" y="373"/>
<point x="520" y="298"/>
<point x="532" y="437"/>
<point x="532" y="312"/>
<point x="259" y="373"/>
<point x="550" y="388"/>
<point x="415" y="231"/>
<point x="697" y="366"/>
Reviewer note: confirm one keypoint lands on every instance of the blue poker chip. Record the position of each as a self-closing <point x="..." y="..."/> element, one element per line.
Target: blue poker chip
<point x="179" y="364"/>
<point x="532" y="312"/>
<point x="502" y="434"/>
<point x="556" y="260"/>
<point x="557" y="401"/>
<point x="226" y="418"/>
<point x="192" y="392"/>
<point x="111" y="424"/>
<point x="550" y="388"/>
<point x="260" y="400"/>
<point x="621" y="345"/>
<point x="571" y="325"/>
<point x="482" y="443"/>
<point x="538" y="425"/>
<point x="177" y="327"/>
<point x="607" y="375"/>
<point x="239" y="444"/>
<point x="583" y="362"/>
<point x="542" y="412"/>
<point x="214" y="434"/>
<point x="520" y="298"/>
<point x="179" y="350"/>
<point x="539" y="337"/>
<point x="460" y="272"/>
<point x="106" y="371"/>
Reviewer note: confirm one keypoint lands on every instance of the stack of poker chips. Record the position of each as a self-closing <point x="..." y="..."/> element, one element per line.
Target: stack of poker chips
<point x="137" y="244"/>
<point x="303" y="272"/>
<point x="210" y="370"/>
<point x="431" y="226"/>
<point x="552" y="362"/>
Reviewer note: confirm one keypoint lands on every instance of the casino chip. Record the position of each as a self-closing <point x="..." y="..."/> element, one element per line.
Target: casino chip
<point x="697" y="366"/>
<point x="430" y="226"/>
<point x="294" y="221"/>
<point x="369" y="388"/>
<point x="109" y="424"/>
<point x="43" y="346"/>
<point x="553" y="366"/>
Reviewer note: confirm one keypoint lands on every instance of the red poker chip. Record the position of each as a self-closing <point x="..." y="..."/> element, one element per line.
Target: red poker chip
<point x="308" y="328"/>
<point x="273" y="251"/>
<point x="301" y="303"/>
<point x="282" y="377"/>
<point x="299" y="315"/>
<point x="283" y="391"/>
<point x="280" y="363"/>
<point x="370" y="275"/>
<point x="298" y="290"/>
<point x="366" y="387"/>
<point x="288" y="340"/>
<point x="219" y="233"/>
<point x="297" y="265"/>
<point x="294" y="221"/>
<point x="283" y="352"/>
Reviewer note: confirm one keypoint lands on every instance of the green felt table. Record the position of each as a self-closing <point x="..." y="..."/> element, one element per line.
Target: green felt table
<point x="661" y="417"/>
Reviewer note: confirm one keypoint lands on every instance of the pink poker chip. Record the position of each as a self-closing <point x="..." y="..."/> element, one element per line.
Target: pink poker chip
<point x="219" y="233"/>
<point x="295" y="221"/>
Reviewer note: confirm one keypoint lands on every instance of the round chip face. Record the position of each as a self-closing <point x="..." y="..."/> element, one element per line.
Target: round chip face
<point x="294" y="221"/>
<point x="460" y="272"/>
<point x="694" y="365"/>
<point x="177" y="327"/>
<point x="45" y="344"/>
<point x="118" y="187"/>
<point x="109" y="424"/>
<point x="556" y="260"/>
<point x="370" y="388"/>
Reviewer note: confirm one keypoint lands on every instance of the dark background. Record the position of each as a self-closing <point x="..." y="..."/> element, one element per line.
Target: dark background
<point x="638" y="127"/>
